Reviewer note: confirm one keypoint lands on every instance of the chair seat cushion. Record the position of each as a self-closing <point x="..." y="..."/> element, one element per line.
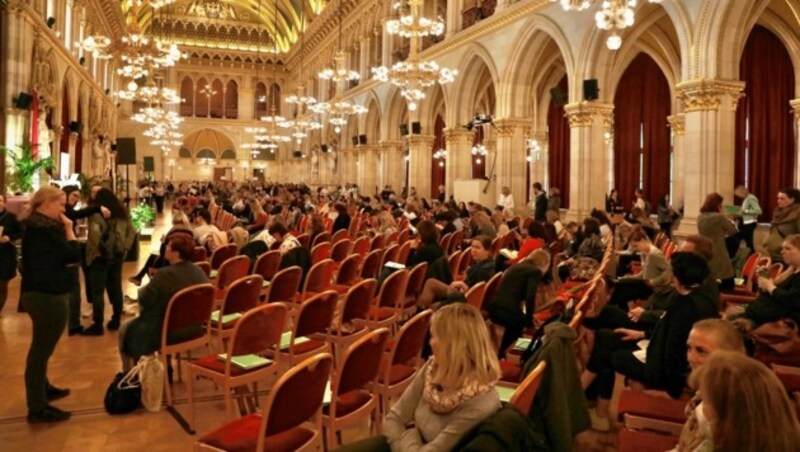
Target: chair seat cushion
<point x="511" y="372"/>
<point x="349" y="402"/>
<point x="308" y="346"/>
<point x="636" y="441"/>
<point x="642" y="404"/>
<point x="398" y="373"/>
<point x="213" y="363"/>
<point x="381" y="313"/>
<point x="242" y="435"/>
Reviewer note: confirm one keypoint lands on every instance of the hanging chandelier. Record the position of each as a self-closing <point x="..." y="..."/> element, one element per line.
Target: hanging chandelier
<point x="305" y="120"/>
<point x="614" y="16"/>
<point x="414" y="75"/>
<point x="479" y="150"/>
<point x="441" y="156"/>
<point x="338" y="110"/>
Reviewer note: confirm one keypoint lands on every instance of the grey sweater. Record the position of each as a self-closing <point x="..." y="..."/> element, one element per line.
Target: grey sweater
<point x="411" y="425"/>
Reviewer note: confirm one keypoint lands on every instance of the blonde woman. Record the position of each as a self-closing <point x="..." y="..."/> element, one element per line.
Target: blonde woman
<point x="745" y="406"/>
<point x="454" y="391"/>
<point x="385" y="224"/>
<point x="482" y="225"/>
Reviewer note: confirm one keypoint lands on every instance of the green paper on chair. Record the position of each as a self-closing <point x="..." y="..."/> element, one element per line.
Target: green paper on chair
<point x="286" y="340"/>
<point x="213" y="274"/>
<point x="732" y="210"/>
<point x="246" y="362"/>
<point x="504" y="392"/>
<point x="225" y="318"/>
<point x="522" y="344"/>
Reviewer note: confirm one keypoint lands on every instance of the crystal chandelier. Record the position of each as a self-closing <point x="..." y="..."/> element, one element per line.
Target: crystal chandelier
<point x="441" y="156"/>
<point x="338" y="110"/>
<point x="480" y="151"/>
<point x="304" y="121"/>
<point x="614" y="15"/>
<point x="414" y="75"/>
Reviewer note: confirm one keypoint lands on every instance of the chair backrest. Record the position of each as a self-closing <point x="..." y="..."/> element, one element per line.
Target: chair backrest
<point x="474" y="295"/>
<point x="774" y="270"/>
<point x="416" y="280"/>
<point x="320" y="238"/>
<point x="296" y="397"/>
<point x="377" y="242"/>
<point x="526" y="391"/>
<point x="403" y="236"/>
<point x="205" y="266"/>
<point x="453" y="262"/>
<point x="341" y="234"/>
<point x="349" y="270"/>
<point x="491" y="289"/>
<point x="243" y="294"/>
<point x="410" y="339"/>
<point x="341" y="249"/>
<point x="444" y="241"/>
<point x="361" y="362"/>
<point x="190" y="307"/>
<point x="200" y="254"/>
<point x="267" y="264"/>
<point x="222" y="254"/>
<point x="320" y="252"/>
<point x="316" y="314"/>
<point x="404" y="251"/>
<point x="285" y="284"/>
<point x="258" y="330"/>
<point x="464" y="261"/>
<point x="372" y="264"/>
<point x="456" y="241"/>
<point x="304" y="240"/>
<point x="231" y="270"/>
<point x="357" y="301"/>
<point x="392" y="239"/>
<point x="361" y="246"/>
<point x="390" y="254"/>
<point x="320" y="276"/>
<point x="393" y="290"/>
<point x="303" y="224"/>
<point x="355" y="225"/>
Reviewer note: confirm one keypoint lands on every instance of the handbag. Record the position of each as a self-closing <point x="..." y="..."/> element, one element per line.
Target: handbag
<point x="151" y="377"/>
<point x="124" y="394"/>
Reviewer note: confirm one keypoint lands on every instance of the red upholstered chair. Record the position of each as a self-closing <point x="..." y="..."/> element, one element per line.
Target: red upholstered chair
<point x="200" y="254"/>
<point x="526" y="391"/>
<point x="322" y="237"/>
<point x="491" y="290"/>
<point x="341" y="234"/>
<point x="268" y="264"/>
<point x="377" y="242"/>
<point x="241" y="296"/>
<point x="221" y="255"/>
<point x="314" y="318"/>
<point x="319" y="279"/>
<point x="355" y="226"/>
<point x="205" y="266"/>
<point x="445" y="241"/>
<point x="349" y="273"/>
<point x="403" y="236"/>
<point x="230" y="271"/>
<point x="388" y="307"/>
<point x="291" y="418"/>
<point x="284" y="285"/>
<point x="646" y="405"/>
<point x="256" y="333"/>
<point x="185" y="326"/>
<point x="304" y="240"/>
<point x="416" y="281"/>
<point x="400" y="365"/>
<point x="353" y="320"/>
<point x="320" y="252"/>
<point x="389" y="254"/>
<point x="456" y="241"/>
<point x="464" y="263"/>
<point x="402" y="254"/>
<point x="645" y="441"/>
<point x="341" y="250"/>
<point x="391" y="239"/>
<point x="453" y="261"/>
<point x="474" y="295"/>
<point x="372" y="264"/>
<point x="361" y="246"/>
<point x="352" y="399"/>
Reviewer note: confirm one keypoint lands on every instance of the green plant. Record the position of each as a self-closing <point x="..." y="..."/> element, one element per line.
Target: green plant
<point x="141" y="216"/>
<point x="25" y="167"/>
<point x="88" y="182"/>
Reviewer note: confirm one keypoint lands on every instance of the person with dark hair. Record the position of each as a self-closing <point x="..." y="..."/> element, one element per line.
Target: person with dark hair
<point x="535" y="240"/>
<point x="539" y="202"/>
<point x="426" y="248"/>
<point x="655" y="276"/>
<point x="10" y="231"/>
<point x="785" y="222"/>
<point x="639" y="202"/>
<point x="107" y="244"/>
<point x="614" y="205"/>
<point x="713" y="224"/>
<point x="662" y="364"/>
<point x="342" y="220"/>
<point x="606" y="228"/>
<point x="666" y="214"/>
<point x="142" y="335"/>
<point x="481" y="271"/>
<point x="281" y="235"/>
<point x="203" y="226"/>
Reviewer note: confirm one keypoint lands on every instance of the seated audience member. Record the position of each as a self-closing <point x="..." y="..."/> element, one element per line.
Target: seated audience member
<point x="606" y="228"/>
<point x="588" y="250"/>
<point x="202" y="226"/>
<point x="386" y="225"/>
<point x="426" y="248"/>
<point x="180" y="225"/>
<point x="640" y="217"/>
<point x="662" y="364"/>
<point x="554" y="228"/>
<point x="453" y="392"/>
<point x="745" y="406"/>
<point x="481" y="224"/>
<point x="653" y="281"/>
<point x="342" y="220"/>
<point x="481" y="271"/>
<point x="535" y="241"/>
<point x="512" y="309"/>
<point x="316" y="226"/>
<point x="142" y="335"/>
<point x="779" y="299"/>
<point x="260" y="218"/>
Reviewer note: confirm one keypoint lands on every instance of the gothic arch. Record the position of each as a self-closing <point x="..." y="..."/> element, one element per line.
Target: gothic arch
<point x="477" y="69"/>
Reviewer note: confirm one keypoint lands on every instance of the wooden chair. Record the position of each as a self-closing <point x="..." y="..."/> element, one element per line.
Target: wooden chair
<point x="474" y="295"/>
<point x="389" y="255"/>
<point x="314" y="318"/>
<point x="341" y="234"/>
<point x="416" y="281"/>
<point x="403" y="236"/>
<point x="341" y="250"/>
<point x="320" y="252"/>
<point x="321" y="238"/>
<point x="455" y="242"/>
<point x="445" y="241"/>
<point x="200" y="254"/>
<point x="392" y="239"/>
<point x="240" y="296"/>
<point x="361" y="246"/>
<point x="352" y="400"/>
<point x="491" y="290"/>
<point x="463" y="264"/>
<point x="230" y="271"/>
<point x="453" y="261"/>
<point x="526" y="391"/>
<point x="222" y="254"/>
<point x="388" y="306"/>
<point x="268" y="264"/>
<point x="352" y="322"/>
<point x="185" y="326"/>
<point x="284" y="285"/>
<point x="372" y="264"/>
<point x="377" y="242"/>
<point x="256" y="333"/>
<point x="349" y="273"/>
<point x="304" y="240"/>
<point x="319" y="279"/>
<point x="206" y="267"/>
<point x="403" y="253"/>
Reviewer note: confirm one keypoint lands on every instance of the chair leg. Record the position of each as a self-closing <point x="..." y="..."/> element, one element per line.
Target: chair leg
<point x="190" y="376"/>
<point x="228" y="402"/>
<point x="167" y="386"/>
<point x="178" y="365"/>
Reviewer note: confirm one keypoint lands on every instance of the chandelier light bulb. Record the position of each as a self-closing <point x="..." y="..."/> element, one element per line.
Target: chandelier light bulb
<point x="614" y="42"/>
<point x="132" y="86"/>
<point x="337" y="129"/>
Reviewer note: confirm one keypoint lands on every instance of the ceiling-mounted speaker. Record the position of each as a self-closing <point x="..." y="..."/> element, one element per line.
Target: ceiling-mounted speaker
<point x="362" y="139"/>
<point x="23" y="101"/>
<point x="558" y="96"/>
<point x="51" y="21"/>
<point x="403" y="130"/>
<point x="590" y="89"/>
<point x="416" y="128"/>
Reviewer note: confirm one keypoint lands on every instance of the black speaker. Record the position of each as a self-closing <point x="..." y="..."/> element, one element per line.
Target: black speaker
<point x="297" y="154"/>
<point x="75" y="126"/>
<point x="51" y="21"/>
<point x="23" y="101"/>
<point x="558" y="96"/>
<point x="126" y="151"/>
<point x="362" y="139"/>
<point x="108" y="90"/>
<point x="323" y="147"/>
<point x="416" y="128"/>
<point x="149" y="164"/>
<point x="355" y="140"/>
<point x="82" y="60"/>
<point x="113" y="147"/>
<point x="403" y="129"/>
<point x="590" y="89"/>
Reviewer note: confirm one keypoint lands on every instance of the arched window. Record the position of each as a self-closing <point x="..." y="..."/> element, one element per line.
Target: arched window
<point x="187" y="97"/>
<point x="438" y="163"/>
<point x="228" y="154"/>
<point x="201" y="98"/>
<point x="217" y="98"/>
<point x="184" y="153"/>
<point x="260" y="100"/>
<point x="275" y="98"/>
<point x="558" y="144"/>
<point x="206" y="154"/>
<point x="231" y="100"/>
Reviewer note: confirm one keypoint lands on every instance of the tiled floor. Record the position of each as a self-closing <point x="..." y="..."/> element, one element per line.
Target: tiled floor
<point x="86" y="365"/>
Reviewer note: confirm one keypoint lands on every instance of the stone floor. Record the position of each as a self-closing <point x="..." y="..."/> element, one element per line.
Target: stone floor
<point x="86" y="365"/>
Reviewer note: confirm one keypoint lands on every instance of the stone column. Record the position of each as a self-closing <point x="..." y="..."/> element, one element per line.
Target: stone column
<point x="796" y="109"/>
<point x="458" y="143"/>
<point x="73" y="141"/>
<point x="710" y="111"/>
<point x="392" y="165"/>
<point x="419" y="147"/>
<point x="589" y="163"/>
<point x="453" y="24"/>
<point x="678" y="125"/>
<point x="367" y="169"/>
<point x="363" y="64"/>
<point x="387" y="46"/>
<point x="511" y="153"/>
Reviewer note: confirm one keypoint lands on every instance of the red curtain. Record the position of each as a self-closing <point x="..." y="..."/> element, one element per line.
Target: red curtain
<point x="437" y="170"/>
<point x="641" y="106"/>
<point x="558" y="146"/>
<point x="478" y="161"/>
<point x="764" y="114"/>
<point x="78" y="165"/>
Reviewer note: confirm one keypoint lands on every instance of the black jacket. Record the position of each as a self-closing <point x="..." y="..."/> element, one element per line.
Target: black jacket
<point x="46" y="253"/>
<point x="506" y="430"/>
<point x="519" y="284"/>
<point x="480" y="272"/>
<point x="426" y="252"/>
<point x="783" y="303"/>
<point x="541" y="208"/>
<point x="342" y="221"/>
<point x="8" y="251"/>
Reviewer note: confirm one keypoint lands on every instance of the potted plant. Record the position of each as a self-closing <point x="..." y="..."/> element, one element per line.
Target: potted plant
<point x="25" y="167"/>
<point x="141" y="217"/>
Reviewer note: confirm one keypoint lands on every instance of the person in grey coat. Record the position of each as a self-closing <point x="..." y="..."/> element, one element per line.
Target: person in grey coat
<point x="142" y="335"/>
<point x="713" y="224"/>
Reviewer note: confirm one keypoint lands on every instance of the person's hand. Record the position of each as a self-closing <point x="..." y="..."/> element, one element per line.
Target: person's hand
<point x="4" y="239"/>
<point x="65" y="221"/>
<point x="766" y="284"/>
<point x="105" y="212"/>
<point x="629" y="335"/>
<point x="459" y="286"/>
<point x="635" y="313"/>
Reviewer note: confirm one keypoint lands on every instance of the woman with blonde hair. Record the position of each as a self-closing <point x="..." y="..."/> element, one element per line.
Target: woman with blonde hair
<point x="482" y="225"/>
<point x="454" y="391"/>
<point x="385" y="224"/>
<point x="745" y="406"/>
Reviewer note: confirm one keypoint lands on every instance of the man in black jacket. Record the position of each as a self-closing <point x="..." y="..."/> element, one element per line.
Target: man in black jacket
<point x="540" y="203"/>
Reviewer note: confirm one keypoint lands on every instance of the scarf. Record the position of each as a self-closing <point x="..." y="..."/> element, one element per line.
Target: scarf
<point x="786" y="214"/>
<point x="445" y="401"/>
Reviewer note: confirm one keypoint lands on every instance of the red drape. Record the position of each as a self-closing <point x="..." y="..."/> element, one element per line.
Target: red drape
<point x="641" y="106"/>
<point x="766" y="68"/>
<point x="478" y="161"/>
<point x="558" y="146"/>
<point x="437" y="170"/>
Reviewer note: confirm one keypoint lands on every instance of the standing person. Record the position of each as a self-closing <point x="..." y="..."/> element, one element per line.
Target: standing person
<point x="159" y="193"/>
<point x="713" y="224"/>
<point x="640" y="202"/>
<point x="750" y="211"/>
<point x="785" y="222"/>
<point x="613" y="204"/>
<point x="342" y="220"/>
<point x="108" y="242"/>
<point x="666" y="214"/>
<point x="539" y="203"/>
<point x="506" y="199"/>
<point x="9" y="232"/>
<point x="49" y="247"/>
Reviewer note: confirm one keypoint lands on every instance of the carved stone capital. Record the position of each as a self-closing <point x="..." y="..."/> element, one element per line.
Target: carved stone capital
<point x="420" y="140"/>
<point x="677" y="123"/>
<point x="583" y="114"/>
<point x="708" y="94"/>
<point x="507" y="126"/>
<point x="451" y="135"/>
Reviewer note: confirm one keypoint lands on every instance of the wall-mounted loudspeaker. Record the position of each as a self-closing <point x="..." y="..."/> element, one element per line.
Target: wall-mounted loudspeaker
<point x="297" y="154"/>
<point x="82" y="60"/>
<point x="590" y="89"/>
<point x="362" y="139"/>
<point x="416" y="128"/>
<point x="323" y="147"/>
<point x="23" y="101"/>
<point x="149" y="164"/>
<point x="75" y="126"/>
<point x="51" y="21"/>
<point x="558" y="96"/>
<point x="126" y="151"/>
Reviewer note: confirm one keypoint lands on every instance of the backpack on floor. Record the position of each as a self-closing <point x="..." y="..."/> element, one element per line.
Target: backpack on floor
<point x="124" y="394"/>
